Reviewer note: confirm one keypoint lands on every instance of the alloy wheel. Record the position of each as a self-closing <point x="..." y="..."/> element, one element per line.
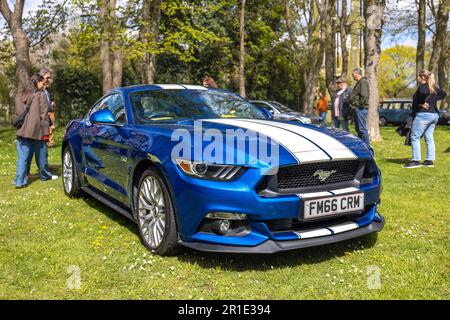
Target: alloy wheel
<point x="152" y="211"/>
<point x="67" y="172"/>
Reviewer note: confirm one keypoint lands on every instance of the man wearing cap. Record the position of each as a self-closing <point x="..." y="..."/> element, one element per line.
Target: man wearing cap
<point x="340" y="112"/>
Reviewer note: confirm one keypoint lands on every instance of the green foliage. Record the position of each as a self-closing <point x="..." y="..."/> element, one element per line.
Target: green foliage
<point x="397" y="70"/>
<point x="75" y="90"/>
<point x="77" y="76"/>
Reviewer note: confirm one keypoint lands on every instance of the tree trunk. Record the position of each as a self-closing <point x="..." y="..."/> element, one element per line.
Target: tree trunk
<point x="150" y="33"/>
<point x="105" y="45"/>
<point x="440" y="36"/>
<point x="443" y="73"/>
<point x="106" y="65"/>
<point x="374" y="16"/>
<point x="242" y="51"/>
<point x="20" y="40"/>
<point x="23" y="65"/>
<point x="343" y="38"/>
<point x="117" y="59"/>
<point x="420" y="57"/>
<point x="310" y="79"/>
<point x="117" y="65"/>
<point x="355" y="41"/>
<point x="330" y="48"/>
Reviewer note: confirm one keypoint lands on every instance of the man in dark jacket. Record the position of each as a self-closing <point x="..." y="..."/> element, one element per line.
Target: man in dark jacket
<point x="340" y="110"/>
<point x="359" y="101"/>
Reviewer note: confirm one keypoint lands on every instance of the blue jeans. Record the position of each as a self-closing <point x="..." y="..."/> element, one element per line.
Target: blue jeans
<point x="340" y="123"/>
<point x="25" y="150"/>
<point x="323" y="115"/>
<point x="423" y="125"/>
<point x="360" y="124"/>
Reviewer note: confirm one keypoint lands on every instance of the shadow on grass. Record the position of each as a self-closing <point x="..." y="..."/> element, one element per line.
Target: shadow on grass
<point x="308" y="256"/>
<point x="54" y="169"/>
<point x="447" y="150"/>
<point x="398" y="161"/>
<point x="111" y="214"/>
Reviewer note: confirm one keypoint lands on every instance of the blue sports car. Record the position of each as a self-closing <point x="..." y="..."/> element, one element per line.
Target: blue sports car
<point x="206" y="169"/>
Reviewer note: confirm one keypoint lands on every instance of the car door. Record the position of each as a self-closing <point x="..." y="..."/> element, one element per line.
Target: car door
<point x="106" y="152"/>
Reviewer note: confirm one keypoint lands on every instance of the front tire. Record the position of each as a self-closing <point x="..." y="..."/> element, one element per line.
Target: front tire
<point x="155" y="213"/>
<point x="71" y="182"/>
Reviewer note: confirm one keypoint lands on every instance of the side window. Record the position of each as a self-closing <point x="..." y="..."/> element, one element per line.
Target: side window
<point x="117" y="107"/>
<point x="113" y="103"/>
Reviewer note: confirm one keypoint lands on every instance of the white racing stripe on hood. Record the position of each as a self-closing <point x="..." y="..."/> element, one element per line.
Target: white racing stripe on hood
<point x="302" y="149"/>
<point x="333" y="147"/>
<point x="170" y="86"/>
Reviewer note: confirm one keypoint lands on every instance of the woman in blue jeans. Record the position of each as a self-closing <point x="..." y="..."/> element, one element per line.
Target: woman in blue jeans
<point x="32" y="136"/>
<point x="426" y="116"/>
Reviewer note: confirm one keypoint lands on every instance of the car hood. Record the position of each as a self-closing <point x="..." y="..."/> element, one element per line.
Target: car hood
<point x="298" y="143"/>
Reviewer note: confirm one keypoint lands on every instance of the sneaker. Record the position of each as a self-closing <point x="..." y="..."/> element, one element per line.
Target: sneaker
<point x="428" y="163"/>
<point x="54" y="177"/>
<point x="412" y="164"/>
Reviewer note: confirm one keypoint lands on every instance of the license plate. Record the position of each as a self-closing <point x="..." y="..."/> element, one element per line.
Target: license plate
<point x="322" y="207"/>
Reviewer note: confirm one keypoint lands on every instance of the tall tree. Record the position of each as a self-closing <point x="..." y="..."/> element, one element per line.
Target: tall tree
<point x="105" y="8"/>
<point x="343" y="21"/>
<point x="439" y="39"/>
<point x="242" y="50"/>
<point x="444" y="71"/>
<point x="112" y="31"/>
<point x="374" y="16"/>
<point x="20" y="40"/>
<point x="306" y="30"/>
<point x="397" y="71"/>
<point x="329" y="28"/>
<point x="151" y="13"/>
<point x="421" y="29"/>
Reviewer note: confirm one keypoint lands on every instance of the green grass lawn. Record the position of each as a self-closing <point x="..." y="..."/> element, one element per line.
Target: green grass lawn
<point x="43" y="234"/>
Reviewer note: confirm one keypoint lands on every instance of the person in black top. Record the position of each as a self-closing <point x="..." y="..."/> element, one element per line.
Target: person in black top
<point x="426" y="116"/>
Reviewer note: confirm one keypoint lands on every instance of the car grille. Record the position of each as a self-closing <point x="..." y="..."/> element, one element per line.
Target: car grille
<point x="308" y="175"/>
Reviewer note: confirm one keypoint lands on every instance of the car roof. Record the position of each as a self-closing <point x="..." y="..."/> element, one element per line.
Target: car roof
<point x="140" y="87"/>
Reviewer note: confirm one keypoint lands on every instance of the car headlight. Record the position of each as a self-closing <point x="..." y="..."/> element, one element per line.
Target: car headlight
<point x="207" y="171"/>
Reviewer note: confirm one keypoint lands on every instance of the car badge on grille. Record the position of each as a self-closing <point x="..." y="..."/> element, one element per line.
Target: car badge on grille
<point x="323" y="175"/>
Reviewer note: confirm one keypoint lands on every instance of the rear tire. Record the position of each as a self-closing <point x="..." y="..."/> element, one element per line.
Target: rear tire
<point x="155" y="214"/>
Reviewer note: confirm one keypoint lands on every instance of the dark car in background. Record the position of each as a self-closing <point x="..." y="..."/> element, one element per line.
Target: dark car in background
<point x="396" y="111"/>
<point x="444" y="117"/>
<point x="283" y="113"/>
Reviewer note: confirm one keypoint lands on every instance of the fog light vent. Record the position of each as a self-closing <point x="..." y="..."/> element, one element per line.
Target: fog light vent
<point x="226" y="216"/>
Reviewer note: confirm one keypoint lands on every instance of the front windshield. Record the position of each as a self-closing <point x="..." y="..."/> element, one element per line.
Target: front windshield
<point x="168" y="105"/>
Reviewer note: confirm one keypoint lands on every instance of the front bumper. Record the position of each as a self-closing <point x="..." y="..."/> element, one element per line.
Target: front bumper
<point x="272" y="246"/>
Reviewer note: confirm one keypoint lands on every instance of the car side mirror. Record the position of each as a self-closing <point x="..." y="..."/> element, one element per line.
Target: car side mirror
<point x="102" y="116"/>
<point x="267" y="113"/>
